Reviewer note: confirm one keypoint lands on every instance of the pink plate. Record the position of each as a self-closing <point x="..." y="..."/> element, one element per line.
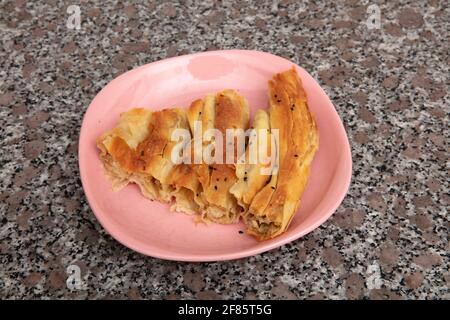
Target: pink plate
<point x="149" y="227"/>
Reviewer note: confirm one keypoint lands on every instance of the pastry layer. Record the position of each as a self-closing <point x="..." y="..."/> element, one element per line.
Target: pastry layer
<point x="274" y="206"/>
<point x="255" y="172"/>
<point x="222" y="111"/>
<point x="138" y="150"/>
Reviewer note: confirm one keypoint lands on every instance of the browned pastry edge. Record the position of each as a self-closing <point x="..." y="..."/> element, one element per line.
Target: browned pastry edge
<point x="273" y="208"/>
<point x="138" y="151"/>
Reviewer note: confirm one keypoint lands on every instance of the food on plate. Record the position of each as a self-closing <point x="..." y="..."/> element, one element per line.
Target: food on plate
<point x="274" y="206"/>
<point x="251" y="178"/>
<point x="139" y="150"/>
<point x="221" y="111"/>
<point x="215" y="176"/>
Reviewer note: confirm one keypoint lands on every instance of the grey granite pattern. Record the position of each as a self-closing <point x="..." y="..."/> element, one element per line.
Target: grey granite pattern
<point x="388" y="239"/>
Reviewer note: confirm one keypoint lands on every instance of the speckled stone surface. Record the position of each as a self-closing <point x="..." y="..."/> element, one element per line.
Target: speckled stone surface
<point x="388" y="239"/>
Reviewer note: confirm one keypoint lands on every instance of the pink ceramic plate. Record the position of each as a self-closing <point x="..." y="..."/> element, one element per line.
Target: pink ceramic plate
<point x="149" y="227"/>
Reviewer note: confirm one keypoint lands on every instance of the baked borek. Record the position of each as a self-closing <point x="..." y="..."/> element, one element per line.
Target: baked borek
<point x="274" y="206"/>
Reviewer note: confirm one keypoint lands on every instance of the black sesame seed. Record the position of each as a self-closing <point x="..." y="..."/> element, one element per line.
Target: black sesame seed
<point x="278" y="101"/>
<point x="273" y="188"/>
<point x="245" y="178"/>
<point x="296" y="155"/>
<point x="215" y="187"/>
<point x="241" y="232"/>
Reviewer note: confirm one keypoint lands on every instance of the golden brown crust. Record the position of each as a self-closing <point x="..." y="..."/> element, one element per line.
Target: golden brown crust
<point x="274" y="206"/>
<point x="217" y="194"/>
<point x="232" y="111"/>
<point x="222" y="111"/>
<point x="138" y="150"/>
<point x="194" y="112"/>
<point x="251" y="176"/>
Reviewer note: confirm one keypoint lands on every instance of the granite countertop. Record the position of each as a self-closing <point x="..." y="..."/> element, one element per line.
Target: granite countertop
<point x="390" y="85"/>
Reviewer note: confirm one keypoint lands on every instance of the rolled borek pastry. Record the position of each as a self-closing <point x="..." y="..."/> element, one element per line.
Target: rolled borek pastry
<point x="256" y="171"/>
<point x="274" y="206"/>
<point x="221" y="111"/>
<point x="139" y="150"/>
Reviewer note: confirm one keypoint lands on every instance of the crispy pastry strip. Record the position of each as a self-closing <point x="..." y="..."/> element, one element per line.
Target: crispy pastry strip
<point x="222" y="111"/>
<point x="274" y="206"/>
<point x="251" y="176"/>
<point x="139" y="150"/>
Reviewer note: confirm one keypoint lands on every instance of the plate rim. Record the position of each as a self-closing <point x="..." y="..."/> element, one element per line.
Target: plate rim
<point x="187" y="257"/>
